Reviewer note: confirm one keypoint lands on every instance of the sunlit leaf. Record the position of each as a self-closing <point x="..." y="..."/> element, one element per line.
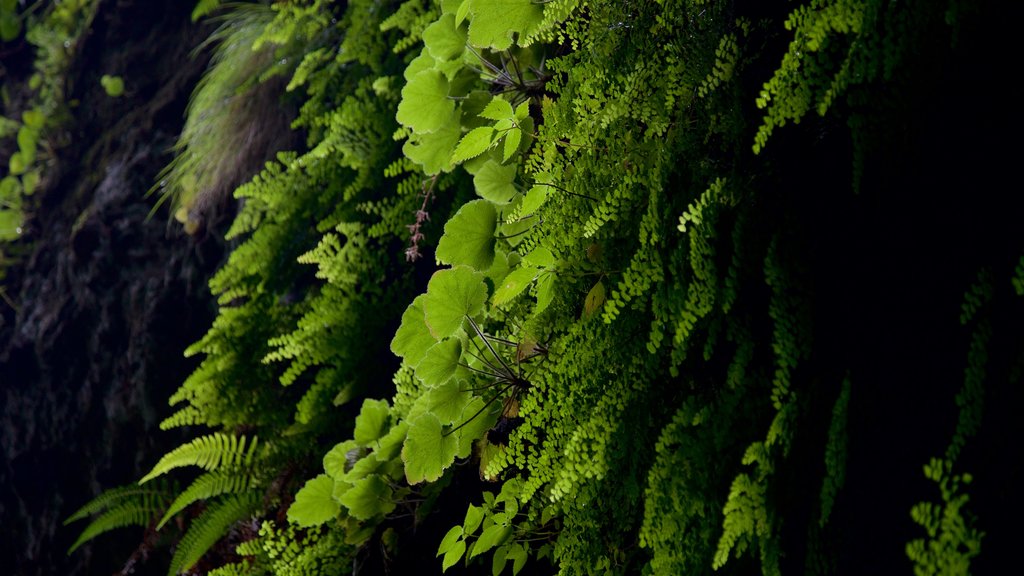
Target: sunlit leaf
<point x="469" y="236"/>
<point x="413" y="338"/>
<point x="514" y="284"/>
<point x="314" y="504"/>
<point x="444" y="38"/>
<point x="425" y="105"/>
<point x="495" y="21"/>
<point x="372" y="421"/>
<point x="440" y="362"/>
<point x="426" y="452"/>
<point x="494" y="182"/>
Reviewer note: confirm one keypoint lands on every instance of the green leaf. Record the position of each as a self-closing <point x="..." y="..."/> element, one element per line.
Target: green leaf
<point x="545" y="291"/>
<point x="389" y="446"/>
<point x="17" y="165"/>
<point x="33" y="118"/>
<point x="498" y="560"/>
<point x="512" y="139"/>
<point x="498" y="109"/>
<point x="475" y="423"/>
<point x="420" y="63"/>
<point x="522" y="111"/>
<point x="452" y="295"/>
<point x="514" y="284"/>
<point x="595" y="298"/>
<point x="449" y="540"/>
<point x="440" y="362"/>
<point x="413" y="338"/>
<point x="425" y="106"/>
<point x="453" y="555"/>
<point x="113" y="85"/>
<point x="473" y="144"/>
<point x="444" y="39"/>
<point x="474" y="516"/>
<point x="540" y="257"/>
<point x="462" y="12"/>
<point x="494" y="182"/>
<point x="368" y="498"/>
<point x="29" y="181"/>
<point x="494" y="21"/>
<point x="433" y="151"/>
<point x="337" y="461"/>
<point x="469" y="237"/>
<point x="533" y="200"/>
<point x="426" y="453"/>
<point x="492" y="536"/>
<point x="516" y="553"/>
<point x="372" y="422"/>
<point x="313" y="504"/>
<point x="448" y="401"/>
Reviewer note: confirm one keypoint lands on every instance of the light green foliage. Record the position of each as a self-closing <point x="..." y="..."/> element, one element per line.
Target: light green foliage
<point x="952" y="538"/>
<point x="209" y="485"/>
<point x="113" y="85"/>
<point x="213" y="452"/>
<point x="208" y="528"/>
<point x="469" y="236"/>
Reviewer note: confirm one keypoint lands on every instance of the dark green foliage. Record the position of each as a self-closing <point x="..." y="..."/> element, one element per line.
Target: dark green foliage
<point x="629" y="327"/>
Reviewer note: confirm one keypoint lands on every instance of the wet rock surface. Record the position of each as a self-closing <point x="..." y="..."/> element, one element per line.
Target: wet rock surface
<point x="107" y="298"/>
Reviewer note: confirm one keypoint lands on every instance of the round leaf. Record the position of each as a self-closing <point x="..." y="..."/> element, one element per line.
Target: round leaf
<point x="494" y="21"/>
<point x="440" y="362"/>
<point x="433" y="151"/>
<point x="425" y="106"/>
<point x="313" y="504"/>
<point x="469" y="237"/>
<point x="368" y="498"/>
<point x="494" y="182"/>
<point x="452" y="295"/>
<point x="372" y="421"/>
<point x="413" y="339"/>
<point x="444" y="39"/>
<point x="426" y="452"/>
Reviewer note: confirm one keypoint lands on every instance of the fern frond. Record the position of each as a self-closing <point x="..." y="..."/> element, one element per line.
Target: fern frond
<point x="124" y="506"/>
<point x="207" y="486"/>
<point x="210" y="452"/>
<point x="210" y="527"/>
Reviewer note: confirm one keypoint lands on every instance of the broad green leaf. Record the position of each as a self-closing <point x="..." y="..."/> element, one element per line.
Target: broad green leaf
<point x="313" y="504"/>
<point x="388" y="447"/>
<point x="474" y="516"/>
<point x="595" y="298"/>
<point x="545" y="291"/>
<point x="494" y="21"/>
<point x="472" y="106"/>
<point x="449" y="401"/>
<point x="453" y="294"/>
<point x="440" y="362"/>
<point x="368" y="498"/>
<point x="444" y="39"/>
<point x="514" y="284"/>
<point x="449" y="540"/>
<point x="425" y="106"/>
<point x="17" y="164"/>
<point x="433" y="151"/>
<point x="33" y="118"/>
<point x="540" y="257"/>
<point x="469" y="237"/>
<point x="498" y="560"/>
<point x="462" y="12"/>
<point x="492" y="536"/>
<point x="420" y="63"/>
<point x="522" y="111"/>
<point x="426" y="452"/>
<point x="413" y="338"/>
<point x="363" y="468"/>
<point x="498" y="109"/>
<point x="340" y="458"/>
<point x="512" y="139"/>
<point x="372" y="421"/>
<point x="453" y="555"/>
<point x="533" y="200"/>
<point x="494" y="182"/>
<point x="516" y="553"/>
<point x="10" y="190"/>
<point x="27" y="140"/>
<point x="30" y="180"/>
<point x="473" y="144"/>
<point x="475" y="423"/>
